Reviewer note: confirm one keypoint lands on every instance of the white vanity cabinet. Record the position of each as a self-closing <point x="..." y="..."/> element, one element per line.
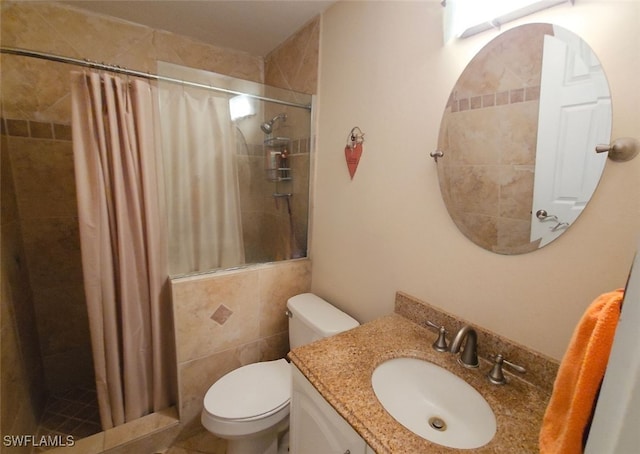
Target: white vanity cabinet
<point x="316" y="428"/>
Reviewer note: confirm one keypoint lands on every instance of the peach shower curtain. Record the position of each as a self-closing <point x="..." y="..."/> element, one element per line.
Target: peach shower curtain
<point x="123" y="241"/>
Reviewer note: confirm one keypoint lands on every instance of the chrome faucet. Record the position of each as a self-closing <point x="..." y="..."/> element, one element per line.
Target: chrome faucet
<point x="469" y="356"/>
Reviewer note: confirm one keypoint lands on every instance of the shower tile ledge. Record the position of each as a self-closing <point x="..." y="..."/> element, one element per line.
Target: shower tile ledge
<point x="120" y="436"/>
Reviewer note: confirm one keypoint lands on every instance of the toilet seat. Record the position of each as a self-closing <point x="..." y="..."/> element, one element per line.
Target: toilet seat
<point x="250" y="392"/>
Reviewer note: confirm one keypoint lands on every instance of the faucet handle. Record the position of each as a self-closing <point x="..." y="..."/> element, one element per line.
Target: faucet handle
<point x="496" y="376"/>
<point x="441" y="342"/>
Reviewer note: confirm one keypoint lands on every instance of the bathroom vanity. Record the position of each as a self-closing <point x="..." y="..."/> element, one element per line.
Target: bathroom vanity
<point x="319" y="428"/>
<point x="334" y="404"/>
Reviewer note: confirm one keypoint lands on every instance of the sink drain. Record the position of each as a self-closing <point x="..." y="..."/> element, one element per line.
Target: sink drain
<point x="437" y="423"/>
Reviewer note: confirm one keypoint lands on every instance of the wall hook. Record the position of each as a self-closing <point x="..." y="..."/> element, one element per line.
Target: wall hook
<point x="621" y="150"/>
<point x="436" y="154"/>
<point x="356" y="136"/>
<point x="353" y="150"/>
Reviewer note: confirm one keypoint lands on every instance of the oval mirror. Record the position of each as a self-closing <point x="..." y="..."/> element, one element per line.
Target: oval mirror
<point x="518" y="138"/>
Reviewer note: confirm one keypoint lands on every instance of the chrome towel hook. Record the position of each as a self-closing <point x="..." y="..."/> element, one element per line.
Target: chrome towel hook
<point x="621" y="150"/>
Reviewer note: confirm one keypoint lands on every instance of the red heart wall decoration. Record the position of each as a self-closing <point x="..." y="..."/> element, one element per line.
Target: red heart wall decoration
<point x="353" y="154"/>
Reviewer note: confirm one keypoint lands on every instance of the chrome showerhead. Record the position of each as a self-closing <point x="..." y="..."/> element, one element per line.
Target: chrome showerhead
<point x="267" y="126"/>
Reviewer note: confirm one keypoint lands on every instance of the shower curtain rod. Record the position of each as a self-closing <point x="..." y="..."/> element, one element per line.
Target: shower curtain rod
<point x="132" y="72"/>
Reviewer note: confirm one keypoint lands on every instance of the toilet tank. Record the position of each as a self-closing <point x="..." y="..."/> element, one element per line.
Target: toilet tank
<point x="312" y="318"/>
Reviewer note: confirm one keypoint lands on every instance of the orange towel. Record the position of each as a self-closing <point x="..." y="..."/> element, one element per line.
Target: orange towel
<point x="579" y="377"/>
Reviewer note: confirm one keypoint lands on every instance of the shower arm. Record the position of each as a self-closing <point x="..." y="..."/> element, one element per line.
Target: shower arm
<point x="277" y="117"/>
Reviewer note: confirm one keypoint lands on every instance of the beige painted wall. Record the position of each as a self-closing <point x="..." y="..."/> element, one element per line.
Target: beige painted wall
<point x="383" y="67"/>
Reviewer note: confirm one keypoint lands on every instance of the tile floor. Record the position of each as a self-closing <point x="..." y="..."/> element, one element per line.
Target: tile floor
<point x="73" y="412"/>
<point x="200" y="443"/>
<point x="204" y="442"/>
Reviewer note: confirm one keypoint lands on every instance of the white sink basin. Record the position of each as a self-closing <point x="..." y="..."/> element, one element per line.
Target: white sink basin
<point x="434" y="403"/>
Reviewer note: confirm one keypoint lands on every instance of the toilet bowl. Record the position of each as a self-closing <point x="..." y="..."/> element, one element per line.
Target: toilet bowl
<point x="249" y="406"/>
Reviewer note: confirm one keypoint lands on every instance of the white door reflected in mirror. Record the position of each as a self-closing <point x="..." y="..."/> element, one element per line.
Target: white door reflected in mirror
<point x="519" y="135"/>
<point x="574" y="98"/>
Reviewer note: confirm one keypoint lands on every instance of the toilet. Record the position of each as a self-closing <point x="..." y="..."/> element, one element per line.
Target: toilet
<point x="249" y="407"/>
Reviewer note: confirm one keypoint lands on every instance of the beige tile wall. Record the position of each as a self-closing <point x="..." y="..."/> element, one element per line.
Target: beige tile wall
<point x="36" y="106"/>
<point x="21" y="371"/>
<point x="228" y="319"/>
<point x="294" y="63"/>
<point x="64" y="30"/>
<point x="43" y="168"/>
<point x="256" y="327"/>
<point x="265" y="220"/>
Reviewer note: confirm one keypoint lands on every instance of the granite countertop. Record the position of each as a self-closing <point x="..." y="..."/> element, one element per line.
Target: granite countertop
<point x="340" y="368"/>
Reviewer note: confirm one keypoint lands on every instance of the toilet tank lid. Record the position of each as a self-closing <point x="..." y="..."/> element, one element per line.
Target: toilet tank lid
<point x="318" y="313"/>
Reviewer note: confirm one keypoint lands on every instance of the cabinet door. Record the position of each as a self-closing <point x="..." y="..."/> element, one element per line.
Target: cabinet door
<point x="316" y="428"/>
